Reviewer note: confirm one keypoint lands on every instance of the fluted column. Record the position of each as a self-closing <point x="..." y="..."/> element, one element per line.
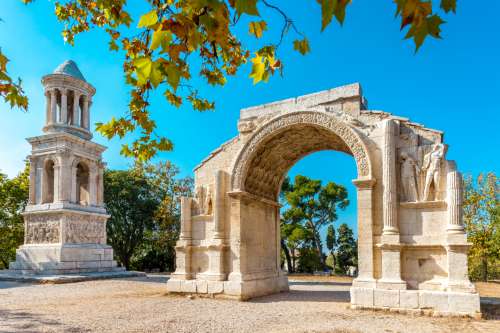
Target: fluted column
<point x="33" y="180"/>
<point x="183" y="249"/>
<point x="93" y="185"/>
<point x="65" y="187"/>
<point x="64" y="106"/>
<point x="57" y="181"/>
<point x="219" y="205"/>
<point x="76" y="109"/>
<point x="84" y="118"/>
<point x="389" y="178"/>
<point x="47" y="107"/>
<point x="53" y="106"/>
<point x="100" y="187"/>
<point x="454" y="198"/>
<point x="185" y="218"/>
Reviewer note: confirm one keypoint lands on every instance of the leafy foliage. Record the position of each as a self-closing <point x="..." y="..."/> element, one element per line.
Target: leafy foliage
<point x="144" y="204"/>
<point x="13" y="199"/>
<point x="482" y="223"/>
<point x="171" y="40"/>
<point x="347" y="249"/>
<point x="11" y="91"/>
<point x="310" y="206"/>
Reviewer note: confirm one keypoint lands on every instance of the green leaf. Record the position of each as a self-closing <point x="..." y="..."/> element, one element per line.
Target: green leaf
<point x="246" y="7"/>
<point x="143" y="67"/>
<point x="329" y="8"/>
<point x="301" y="46"/>
<point x="449" y="5"/>
<point x="257" y="28"/>
<point x="160" y="37"/>
<point x="156" y="76"/>
<point x="258" y="69"/>
<point x="173" y="76"/>
<point x="148" y="20"/>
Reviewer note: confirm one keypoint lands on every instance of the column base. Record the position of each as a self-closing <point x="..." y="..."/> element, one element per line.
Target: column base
<point x="238" y="289"/>
<point x="391" y="284"/>
<point x="420" y="301"/>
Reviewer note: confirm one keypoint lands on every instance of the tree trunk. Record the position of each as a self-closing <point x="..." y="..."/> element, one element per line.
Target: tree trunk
<point x="291" y="269"/>
<point x="484" y="268"/>
<point x="317" y="244"/>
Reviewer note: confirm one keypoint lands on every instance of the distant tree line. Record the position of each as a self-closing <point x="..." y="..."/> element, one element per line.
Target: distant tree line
<point x="143" y="202"/>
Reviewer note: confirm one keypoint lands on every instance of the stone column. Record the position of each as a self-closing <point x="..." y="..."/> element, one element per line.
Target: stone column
<point x="365" y="233"/>
<point x="57" y="181"/>
<point x="64" y="177"/>
<point x="183" y="249"/>
<point x="76" y="108"/>
<point x="186" y="222"/>
<point x="85" y="112"/>
<point x="64" y="106"/>
<point x="454" y="200"/>
<point x="218" y="205"/>
<point x="74" y="188"/>
<point x="390" y="246"/>
<point x="53" y="106"/>
<point x="100" y="186"/>
<point x="47" y="108"/>
<point x="93" y="185"/>
<point x="390" y="213"/>
<point x="32" y="193"/>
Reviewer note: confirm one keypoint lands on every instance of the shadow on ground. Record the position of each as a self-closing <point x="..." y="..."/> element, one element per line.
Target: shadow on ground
<point x="337" y="296"/>
<point x="317" y="283"/>
<point x="22" y="321"/>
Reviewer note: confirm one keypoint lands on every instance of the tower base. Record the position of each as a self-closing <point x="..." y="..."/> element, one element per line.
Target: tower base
<point x="45" y="259"/>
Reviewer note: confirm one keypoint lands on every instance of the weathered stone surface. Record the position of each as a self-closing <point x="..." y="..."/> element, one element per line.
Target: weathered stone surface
<point x="409" y="203"/>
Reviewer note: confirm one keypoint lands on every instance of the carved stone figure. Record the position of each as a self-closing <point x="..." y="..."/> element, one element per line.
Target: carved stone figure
<point x="208" y="202"/>
<point x="199" y="195"/>
<point x="432" y="167"/>
<point x="409" y="172"/>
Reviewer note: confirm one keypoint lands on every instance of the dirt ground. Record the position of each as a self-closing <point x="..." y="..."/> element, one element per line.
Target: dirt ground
<point x="314" y="304"/>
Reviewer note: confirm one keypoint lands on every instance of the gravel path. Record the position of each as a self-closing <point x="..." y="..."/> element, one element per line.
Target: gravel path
<point x="141" y="305"/>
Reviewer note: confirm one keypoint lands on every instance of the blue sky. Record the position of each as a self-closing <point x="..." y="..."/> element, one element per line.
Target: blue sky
<point x="452" y="84"/>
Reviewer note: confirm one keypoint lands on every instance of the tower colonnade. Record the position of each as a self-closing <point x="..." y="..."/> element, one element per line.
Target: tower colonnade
<point x="68" y="107"/>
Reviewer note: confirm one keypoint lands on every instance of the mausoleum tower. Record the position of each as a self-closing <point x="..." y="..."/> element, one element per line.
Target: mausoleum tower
<point x="65" y="219"/>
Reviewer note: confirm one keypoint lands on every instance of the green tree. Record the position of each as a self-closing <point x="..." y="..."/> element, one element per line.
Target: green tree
<point x="177" y="40"/>
<point x="331" y="242"/>
<point x="482" y="223"/>
<point x="347" y="249"/>
<point x="314" y="206"/>
<point x="158" y="250"/>
<point x="131" y="201"/>
<point x="13" y="200"/>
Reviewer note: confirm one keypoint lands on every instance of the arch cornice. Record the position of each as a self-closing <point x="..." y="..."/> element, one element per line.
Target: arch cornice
<point x="315" y="118"/>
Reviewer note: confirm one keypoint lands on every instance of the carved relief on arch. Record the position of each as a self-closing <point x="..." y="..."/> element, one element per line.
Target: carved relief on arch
<point x="350" y="140"/>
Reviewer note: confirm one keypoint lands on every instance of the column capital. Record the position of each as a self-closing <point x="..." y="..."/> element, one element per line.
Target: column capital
<point x="364" y="184"/>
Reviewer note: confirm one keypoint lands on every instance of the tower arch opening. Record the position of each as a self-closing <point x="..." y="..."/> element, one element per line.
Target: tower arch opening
<point x="82" y="184"/>
<point x="48" y="181"/>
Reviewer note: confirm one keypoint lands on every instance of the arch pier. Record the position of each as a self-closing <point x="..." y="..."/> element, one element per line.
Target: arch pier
<point x="412" y="247"/>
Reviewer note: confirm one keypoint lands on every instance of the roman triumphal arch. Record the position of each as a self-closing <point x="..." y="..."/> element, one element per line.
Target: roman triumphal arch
<point x="412" y="244"/>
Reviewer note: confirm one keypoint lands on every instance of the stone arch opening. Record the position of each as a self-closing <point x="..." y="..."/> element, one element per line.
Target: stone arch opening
<point x="258" y="173"/>
<point x="48" y="181"/>
<point x="82" y="184"/>
<point x="278" y="145"/>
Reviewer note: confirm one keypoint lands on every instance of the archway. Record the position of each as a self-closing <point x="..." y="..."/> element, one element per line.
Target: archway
<point x="404" y="242"/>
<point x="258" y="173"/>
